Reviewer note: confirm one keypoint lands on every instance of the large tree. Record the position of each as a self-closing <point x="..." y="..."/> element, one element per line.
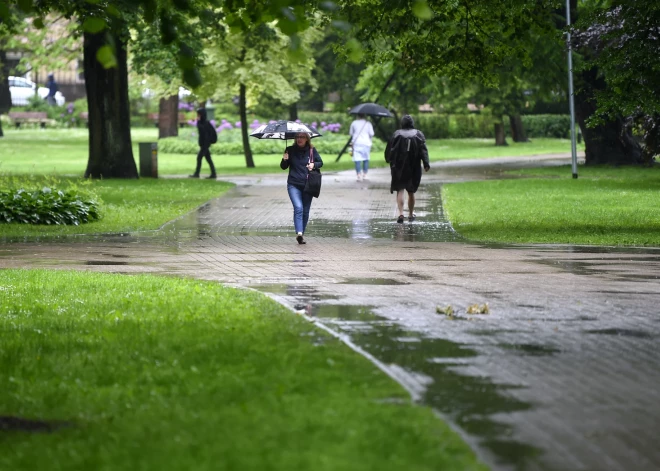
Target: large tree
<point x="252" y="63"/>
<point x="5" y="95"/>
<point x="105" y="26"/>
<point x="620" y="78"/>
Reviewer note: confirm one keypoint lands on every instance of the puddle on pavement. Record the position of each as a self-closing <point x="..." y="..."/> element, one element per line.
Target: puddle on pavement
<point x="529" y="348"/>
<point x="469" y="401"/>
<point x="410" y="274"/>
<point x="104" y="262"/>
<point x="431" y="225"/>
<point x="300" y="292"/>
<point x="610" y="268"/>
<point x="345" y="313"/>
<point x="639" y="334"/>
<point x="372" y="281"/>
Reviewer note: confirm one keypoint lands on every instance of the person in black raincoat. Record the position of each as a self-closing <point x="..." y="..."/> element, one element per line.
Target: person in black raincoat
<point x="205" y="132"/>
<point x="51" y="84"/>
<point x="406" y="152"/>
<point x="300" y="159"/>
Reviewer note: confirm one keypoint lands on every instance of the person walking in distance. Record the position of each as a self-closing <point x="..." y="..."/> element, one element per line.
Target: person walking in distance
<point x="300" y="159"/>
<point x="207" y="136"/>
<point x="51" y="85"/>
<point x="406" y="152"/>
<point x="361" y="132"/>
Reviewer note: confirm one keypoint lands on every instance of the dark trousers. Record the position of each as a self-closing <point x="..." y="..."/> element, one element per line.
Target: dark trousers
<point x="204" y="152"/>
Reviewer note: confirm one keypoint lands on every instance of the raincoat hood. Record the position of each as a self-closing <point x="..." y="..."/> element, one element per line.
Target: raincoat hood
<point x="407" y="122"/>
<point x="202" y="114"/>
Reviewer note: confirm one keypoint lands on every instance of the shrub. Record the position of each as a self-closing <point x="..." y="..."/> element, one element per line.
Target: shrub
<point x="47" y="206"/>
<point x="547" y="125"/>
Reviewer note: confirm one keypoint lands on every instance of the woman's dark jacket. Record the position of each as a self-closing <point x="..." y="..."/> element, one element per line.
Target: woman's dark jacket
<point x="297" y="164"/>
<point x="203" y="130"/>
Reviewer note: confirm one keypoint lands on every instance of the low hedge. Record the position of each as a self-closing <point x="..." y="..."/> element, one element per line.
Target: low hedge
<point x="47" y="206"/>
<point x="547" y="125"/>
<point x="455" y="126"/>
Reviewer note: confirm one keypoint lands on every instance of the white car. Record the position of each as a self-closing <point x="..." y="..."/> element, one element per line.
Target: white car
<point x="22" y="89"/>
<point x="148" y="93"/>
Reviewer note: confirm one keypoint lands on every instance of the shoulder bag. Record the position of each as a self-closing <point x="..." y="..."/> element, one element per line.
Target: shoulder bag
<point x="313" y="182"/>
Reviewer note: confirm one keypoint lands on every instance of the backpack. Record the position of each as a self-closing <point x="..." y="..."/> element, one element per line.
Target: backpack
<point x="401" y="150"/>
<point x="213" y="135"/>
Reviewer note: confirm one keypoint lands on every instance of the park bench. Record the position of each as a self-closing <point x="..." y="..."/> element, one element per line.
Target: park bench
<point x="20" y="117"/>
<point x="182" y="119"/>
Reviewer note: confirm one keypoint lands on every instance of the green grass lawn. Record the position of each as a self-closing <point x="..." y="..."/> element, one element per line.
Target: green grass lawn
<point x="157" y="373"/>
<point x="127" y="205"/>
<point x="64" y="152"/>
<point x="604" y="206"/>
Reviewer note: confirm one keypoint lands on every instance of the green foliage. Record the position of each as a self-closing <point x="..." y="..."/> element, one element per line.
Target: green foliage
<point x="47" y="206"/>
<point x="547" y="125"/>
<point x="128" y="205"/>
<point x="604" y="206"/>
<point x="621" y="39"/>
<point x="457" y="40"/>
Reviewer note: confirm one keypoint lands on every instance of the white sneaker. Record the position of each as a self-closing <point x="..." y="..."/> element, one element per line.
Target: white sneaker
<point x="359" y="177"/>
<point x="364" y="177"/>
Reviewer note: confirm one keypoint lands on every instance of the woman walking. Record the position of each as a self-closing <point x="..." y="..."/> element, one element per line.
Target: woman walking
<point x="361" y="132"/>
<point x="300" y="159"/>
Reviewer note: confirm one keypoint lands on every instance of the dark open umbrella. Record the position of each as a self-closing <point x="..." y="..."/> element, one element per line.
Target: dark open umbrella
<point x="371" y="109"/>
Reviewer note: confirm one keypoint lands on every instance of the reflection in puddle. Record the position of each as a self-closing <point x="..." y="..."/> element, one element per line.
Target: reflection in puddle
<point x="622" y="333"/>
<point x="468" y="401"/>
<point x="372" y="281"/>
<point x="345" y="313"/>
<point x="530" y="349"/>
<point x="433" y="226"/>
<point x="104" y="262"/>
<point x="471" y="402"/>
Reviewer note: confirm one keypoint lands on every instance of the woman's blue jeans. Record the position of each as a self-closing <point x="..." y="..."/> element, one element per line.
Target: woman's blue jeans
<point x="302" y="202"/>
<point x="364" y="164"/>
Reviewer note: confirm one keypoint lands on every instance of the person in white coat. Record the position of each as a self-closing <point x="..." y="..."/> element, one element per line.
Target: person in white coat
<point x="361" y="132"/>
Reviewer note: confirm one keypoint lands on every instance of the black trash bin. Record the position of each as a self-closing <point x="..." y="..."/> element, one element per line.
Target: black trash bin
<point x="148" y="159"/>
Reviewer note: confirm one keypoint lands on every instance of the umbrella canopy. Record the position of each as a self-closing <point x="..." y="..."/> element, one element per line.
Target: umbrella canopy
<point x="283" y="130"/>
<point x="371" y="109"/>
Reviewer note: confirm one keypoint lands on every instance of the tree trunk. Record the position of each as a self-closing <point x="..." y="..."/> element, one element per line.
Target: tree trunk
<point x="110" y="149"/>
<point x="5" y="94"/>
<point x="518" y="133"/>
<point x="293" y="112"/>
<point x="249" y="162"/>
<point x="168" y="117"/>
<point x="500" y="136"/>
<point x="611" y="142"/>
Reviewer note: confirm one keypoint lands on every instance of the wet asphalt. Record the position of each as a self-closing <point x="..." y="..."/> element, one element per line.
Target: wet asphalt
<point x="563" y="373"/>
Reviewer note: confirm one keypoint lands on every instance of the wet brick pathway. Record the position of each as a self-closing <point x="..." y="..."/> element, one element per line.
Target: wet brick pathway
<point x="563" y="374"/>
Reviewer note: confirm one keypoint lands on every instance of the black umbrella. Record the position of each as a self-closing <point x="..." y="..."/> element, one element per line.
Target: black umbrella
<point x="283" y="130"/>
<point x="371" y="109"/>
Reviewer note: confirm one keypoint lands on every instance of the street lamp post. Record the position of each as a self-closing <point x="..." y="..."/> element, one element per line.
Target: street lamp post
<point x="571" y="100"/>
